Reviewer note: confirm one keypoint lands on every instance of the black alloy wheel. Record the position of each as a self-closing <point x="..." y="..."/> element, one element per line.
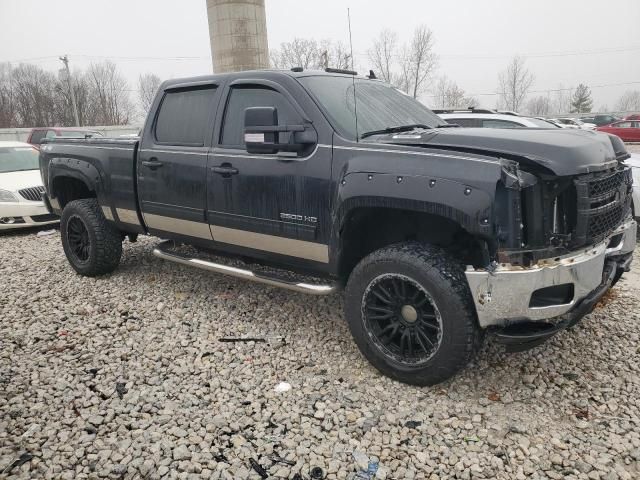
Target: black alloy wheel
<point x="78" y="238"/>
<point x="402" y="318"/>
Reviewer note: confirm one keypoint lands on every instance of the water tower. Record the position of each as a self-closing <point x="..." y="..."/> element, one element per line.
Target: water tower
<point x="238" y="35"/>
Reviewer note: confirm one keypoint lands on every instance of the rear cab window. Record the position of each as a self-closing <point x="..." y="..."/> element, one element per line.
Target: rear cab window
<point x="183" y="117"/>
<point x="37" y="136"/>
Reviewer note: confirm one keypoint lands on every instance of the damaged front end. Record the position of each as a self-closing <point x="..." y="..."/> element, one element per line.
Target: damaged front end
<point x="562" y="242"/>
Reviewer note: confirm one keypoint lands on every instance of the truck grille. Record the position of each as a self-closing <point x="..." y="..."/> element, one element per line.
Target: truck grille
<point x="603" y="201"/>
<point x="32" y="193"/>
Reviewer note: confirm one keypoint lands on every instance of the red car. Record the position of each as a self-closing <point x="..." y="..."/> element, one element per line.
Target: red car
<point x="627" y="130"/>
<point x="37" y="134"/>
<point x="633" y="116"/>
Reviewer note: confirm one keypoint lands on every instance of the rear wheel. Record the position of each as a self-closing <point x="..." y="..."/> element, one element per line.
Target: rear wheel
<point x="411" y="314"/>
<point x="92" y="245"/>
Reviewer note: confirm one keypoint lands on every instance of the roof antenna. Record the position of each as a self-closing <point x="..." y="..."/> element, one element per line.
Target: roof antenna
<point x="355" y="102"/>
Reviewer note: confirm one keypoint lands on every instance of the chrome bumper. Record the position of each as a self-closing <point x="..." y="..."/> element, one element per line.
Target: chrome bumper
<point x="504" y="294"/>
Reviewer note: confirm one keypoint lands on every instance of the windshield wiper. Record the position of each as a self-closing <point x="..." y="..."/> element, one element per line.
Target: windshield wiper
<point x="448" y="125"/>
<point x="399" y="128"/>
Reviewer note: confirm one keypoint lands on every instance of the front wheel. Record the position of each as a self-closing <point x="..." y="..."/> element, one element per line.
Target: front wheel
<point x="411" y="314"/>
<point x="92" y="245"/>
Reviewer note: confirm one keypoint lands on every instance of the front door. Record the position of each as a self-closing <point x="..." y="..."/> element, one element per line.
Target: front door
<point x="267" y="204"/>
<point x="172" y="164"/>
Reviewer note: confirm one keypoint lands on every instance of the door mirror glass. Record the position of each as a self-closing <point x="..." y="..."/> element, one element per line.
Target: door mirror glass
<point x="260" y="136"/>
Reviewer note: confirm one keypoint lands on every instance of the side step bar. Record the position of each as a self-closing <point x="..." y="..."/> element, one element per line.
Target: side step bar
<point x="162" y="251"/>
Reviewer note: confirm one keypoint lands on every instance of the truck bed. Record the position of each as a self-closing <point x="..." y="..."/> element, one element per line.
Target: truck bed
<point x="108" y="163"/>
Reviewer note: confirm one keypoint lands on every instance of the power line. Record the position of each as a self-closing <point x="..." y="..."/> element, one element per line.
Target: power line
<point x="362" y="54"/>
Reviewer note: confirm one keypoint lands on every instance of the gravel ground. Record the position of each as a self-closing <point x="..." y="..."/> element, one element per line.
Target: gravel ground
<point x="126" y="377"/>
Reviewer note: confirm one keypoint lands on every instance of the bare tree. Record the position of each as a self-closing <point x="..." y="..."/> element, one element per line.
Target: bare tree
<point x="539" y="106"/>
<point x="514" y="84"/>
<point x="382" y="55"/>
<point x="34" y="96"/>
<point x="64" y="104"/>
<point x="562" y="100"/>
<point x="7" y="103"/>
<point x="629" y="101"/>
<point x="447" y="94"/>
<point x="148" y="85"/>
<point x="333" y="55"/>
<point x="109" y="92"/>
<point x="300" y="52"/>
<point x="421" y="58"/>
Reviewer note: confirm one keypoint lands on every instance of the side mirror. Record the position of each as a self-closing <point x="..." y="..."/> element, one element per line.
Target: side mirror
<point x="262" y="132"/>
<point x="259" y="133"/>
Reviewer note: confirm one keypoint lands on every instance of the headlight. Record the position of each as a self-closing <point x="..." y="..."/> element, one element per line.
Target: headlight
<point x="7" y="196"/>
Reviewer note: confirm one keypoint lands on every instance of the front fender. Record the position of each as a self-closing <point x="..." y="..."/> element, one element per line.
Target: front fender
<point x="470" y="207"/>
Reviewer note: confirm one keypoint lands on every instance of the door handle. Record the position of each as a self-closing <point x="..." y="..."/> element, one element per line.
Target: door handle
<point x="152" y="163"/>
<point x="225" y="170"/>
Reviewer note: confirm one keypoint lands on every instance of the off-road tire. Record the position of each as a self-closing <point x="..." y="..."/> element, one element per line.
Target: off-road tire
<point x="104" y="240"/>
<point x="442" y="276"/>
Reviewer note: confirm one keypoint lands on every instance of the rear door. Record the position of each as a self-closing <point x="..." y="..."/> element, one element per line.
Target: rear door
<point x="172" y="163"/>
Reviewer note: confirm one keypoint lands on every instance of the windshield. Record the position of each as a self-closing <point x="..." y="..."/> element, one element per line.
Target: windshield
<point x="17" y="159"/>
<point x="379" y="105"/>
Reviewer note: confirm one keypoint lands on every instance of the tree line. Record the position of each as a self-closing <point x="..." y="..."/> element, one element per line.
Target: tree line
<point x="33" y="97"/>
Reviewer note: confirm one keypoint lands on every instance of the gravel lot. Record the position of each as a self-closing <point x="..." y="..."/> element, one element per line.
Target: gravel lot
<point x="126" y="377"/>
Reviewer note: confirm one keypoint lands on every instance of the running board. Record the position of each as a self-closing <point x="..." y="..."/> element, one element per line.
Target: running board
<point x="162" y="251"/>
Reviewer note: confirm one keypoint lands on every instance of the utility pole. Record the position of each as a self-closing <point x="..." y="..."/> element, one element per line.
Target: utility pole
<point x="65" y="60"/>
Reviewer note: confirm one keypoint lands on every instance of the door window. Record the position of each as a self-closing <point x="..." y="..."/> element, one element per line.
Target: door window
<point x="183" y="118"/>
<point x="243" y="97"/>
<point x="622" y="125"/>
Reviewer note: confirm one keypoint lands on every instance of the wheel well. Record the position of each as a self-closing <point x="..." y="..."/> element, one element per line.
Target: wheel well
<point x="67" y="189"/>
<point x="368" y="229"/>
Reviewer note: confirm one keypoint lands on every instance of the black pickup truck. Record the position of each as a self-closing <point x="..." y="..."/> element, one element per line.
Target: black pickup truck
<point x="437" y="234"/>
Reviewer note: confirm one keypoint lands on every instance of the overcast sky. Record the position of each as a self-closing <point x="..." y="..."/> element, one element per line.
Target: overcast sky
<point x="565" y="42"/>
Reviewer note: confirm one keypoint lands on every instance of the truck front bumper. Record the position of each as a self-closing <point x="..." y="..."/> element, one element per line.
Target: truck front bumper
<point x="551" y="288"/>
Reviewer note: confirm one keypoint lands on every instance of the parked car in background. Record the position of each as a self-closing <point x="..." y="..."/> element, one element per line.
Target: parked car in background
<point x="633" y="116"/>
<point x="600" y="120"/>
<point x="21" y="188"/>
<point x="634" y="162"/>
<point x="576" y="123"/>
<point x="494" y="120"/>
<point x="627" y="130"/>
<point x="38" y="134"/>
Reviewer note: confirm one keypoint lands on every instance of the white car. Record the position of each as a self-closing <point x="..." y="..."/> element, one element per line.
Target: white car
<point x="494" y="120"/>
<point x="21" y="188"/>
<point x="634" y="163"/>
<point x="576" y="123"/>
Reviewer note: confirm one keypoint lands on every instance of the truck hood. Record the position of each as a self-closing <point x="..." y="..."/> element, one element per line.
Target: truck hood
<point x="560" y="151"/>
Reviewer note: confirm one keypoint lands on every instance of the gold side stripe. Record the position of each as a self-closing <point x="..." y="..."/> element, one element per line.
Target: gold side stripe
<point x="270" y="243"/>
<point x="127" y="216"/>
<point x="106" y="211"/>
<point x="175" y="225"/>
